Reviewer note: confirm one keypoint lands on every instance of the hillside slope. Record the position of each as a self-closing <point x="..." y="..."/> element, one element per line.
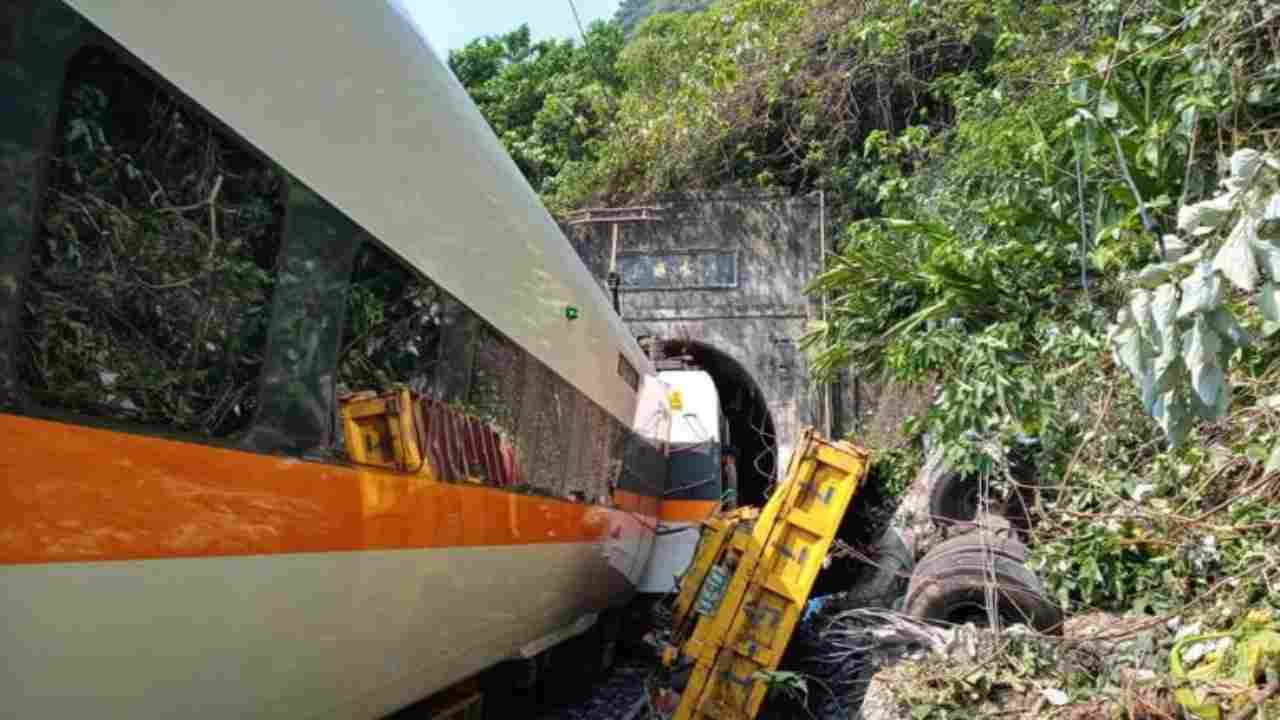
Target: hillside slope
<point x="631" y="13"/>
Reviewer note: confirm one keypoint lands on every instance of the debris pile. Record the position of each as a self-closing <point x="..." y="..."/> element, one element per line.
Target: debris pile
<point x="1104" y="666"/>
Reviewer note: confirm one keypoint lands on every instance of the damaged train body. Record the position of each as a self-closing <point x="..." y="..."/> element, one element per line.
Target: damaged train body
<point x="307" y="408"/>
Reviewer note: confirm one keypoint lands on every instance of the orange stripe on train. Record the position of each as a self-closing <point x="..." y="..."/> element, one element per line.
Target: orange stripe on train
<point x="72" y="494"/>
<point x="687" y="510"/>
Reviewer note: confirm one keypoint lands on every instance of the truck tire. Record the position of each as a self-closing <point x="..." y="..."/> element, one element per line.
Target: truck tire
<point x="1000" y="542"/>
<point x="954" y="502"/>
<point x="949" y="586"/>
<point x="884" y="579"/>
<point x="954" y="498"/>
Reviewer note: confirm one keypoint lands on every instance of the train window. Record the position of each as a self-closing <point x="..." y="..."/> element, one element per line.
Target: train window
<point x="148" y="294"/>
<point x="394" y="333"/>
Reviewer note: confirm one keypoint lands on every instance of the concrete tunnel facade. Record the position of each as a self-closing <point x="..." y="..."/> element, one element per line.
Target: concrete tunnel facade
<point x="722" y="277"/>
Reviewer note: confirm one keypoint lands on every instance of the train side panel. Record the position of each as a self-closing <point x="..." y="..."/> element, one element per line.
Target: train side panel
<point x="182" y="530"/>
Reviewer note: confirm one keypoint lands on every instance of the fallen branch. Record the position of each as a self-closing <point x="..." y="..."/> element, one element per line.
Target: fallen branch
<point x="1256" y="699"/>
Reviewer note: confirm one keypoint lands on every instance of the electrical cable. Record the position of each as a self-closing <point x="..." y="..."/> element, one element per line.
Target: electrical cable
<point x="691" y="486"/>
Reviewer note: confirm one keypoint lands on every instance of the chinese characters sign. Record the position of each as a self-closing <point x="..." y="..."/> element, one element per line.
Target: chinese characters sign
<point x="685" y="270"/>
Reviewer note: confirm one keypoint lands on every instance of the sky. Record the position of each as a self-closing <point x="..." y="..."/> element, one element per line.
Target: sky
<point x="450" y="24"/>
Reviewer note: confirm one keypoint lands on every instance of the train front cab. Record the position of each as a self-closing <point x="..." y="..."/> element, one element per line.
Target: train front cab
<point x="694" y="485"/>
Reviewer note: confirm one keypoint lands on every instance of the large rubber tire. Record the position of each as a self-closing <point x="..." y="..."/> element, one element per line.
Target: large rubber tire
<point x="954" y="501"/>
<point x="1000" y="542"/>
<point x="954" y="498"/>
<point x="886" y="577"/>
<point x="949" y="585"/>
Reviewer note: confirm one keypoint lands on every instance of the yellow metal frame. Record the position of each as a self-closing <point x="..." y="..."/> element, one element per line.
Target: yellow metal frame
<point x="716" y="532"/>
<point x="379" y="430"/>
<point x="778" y="559"/>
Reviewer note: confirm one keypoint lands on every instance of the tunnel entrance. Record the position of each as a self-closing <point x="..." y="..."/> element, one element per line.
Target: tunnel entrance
<point x="751" y="431"/>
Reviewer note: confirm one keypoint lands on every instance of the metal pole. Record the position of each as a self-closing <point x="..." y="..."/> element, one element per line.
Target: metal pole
<point x="613" y="254"/>
<point x="822" y="264"/>
<point x="614" y="279"/>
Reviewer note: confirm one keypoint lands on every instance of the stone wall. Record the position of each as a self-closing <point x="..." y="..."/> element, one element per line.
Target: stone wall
<point x="871" y="410"/>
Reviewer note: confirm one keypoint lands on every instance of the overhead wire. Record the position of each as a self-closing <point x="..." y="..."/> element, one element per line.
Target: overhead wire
<point x="578" y="20"/>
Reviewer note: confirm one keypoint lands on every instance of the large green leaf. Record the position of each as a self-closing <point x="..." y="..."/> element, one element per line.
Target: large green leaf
<point x="1153" y="274"/>
<point x="1268" y="255"/>
<point x="1271" y="213"/>
<point x="1167" y="370"/>
<point x="1173" y="415"/>
<point x="1079" y="91"/>
<point x="1201" y="291"/>
<point x="1108" y="108"/>
<point x="1245" y="163"/>
<point x="1131" y="352"/>
<point x="1140" y="308"/>
<point x="1269" y="303"/>
<point x="1200" y="347"/>
<point x="1235" y="260"/>
<point x="1205" y="217"/>
<point x="1164" y="313"/>
<point x="1175" y="248"/>
<point x="1223" y="322"/>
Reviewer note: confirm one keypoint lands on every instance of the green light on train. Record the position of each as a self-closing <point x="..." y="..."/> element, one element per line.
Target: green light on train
<point x="571" y="312"/>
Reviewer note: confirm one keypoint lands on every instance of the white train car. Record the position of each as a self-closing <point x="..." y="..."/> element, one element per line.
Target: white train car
<point x="695" y="486"/>
<point x="216" y="220"/>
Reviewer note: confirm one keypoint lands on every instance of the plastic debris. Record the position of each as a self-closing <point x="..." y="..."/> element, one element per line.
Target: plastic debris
<point x="1218" y="673"/>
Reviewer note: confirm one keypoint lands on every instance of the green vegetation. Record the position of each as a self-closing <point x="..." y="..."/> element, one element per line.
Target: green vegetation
<point x="1064" y="214"/>
<point x="631" y="13"/>
<point x="551" y="102"/>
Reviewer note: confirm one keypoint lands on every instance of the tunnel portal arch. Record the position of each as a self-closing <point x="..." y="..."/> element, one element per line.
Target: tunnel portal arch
<point x="752" y="432"/>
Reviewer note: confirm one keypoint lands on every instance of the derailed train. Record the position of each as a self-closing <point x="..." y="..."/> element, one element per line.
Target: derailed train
<point x="218" y="222"/>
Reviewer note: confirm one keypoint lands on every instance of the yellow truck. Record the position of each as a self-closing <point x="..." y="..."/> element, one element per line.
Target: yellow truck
<point x="750" y="578"/>
<point x="749" y="582"/>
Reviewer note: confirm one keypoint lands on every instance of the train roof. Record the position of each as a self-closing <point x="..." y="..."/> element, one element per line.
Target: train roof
<point x="350" y="98"/>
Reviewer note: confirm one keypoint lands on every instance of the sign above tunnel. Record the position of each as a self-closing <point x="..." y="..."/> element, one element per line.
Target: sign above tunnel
<point x="679" y="270"/>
